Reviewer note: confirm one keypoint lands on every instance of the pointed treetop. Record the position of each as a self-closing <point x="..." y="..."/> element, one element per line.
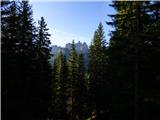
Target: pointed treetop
<point x="99" y="38"/>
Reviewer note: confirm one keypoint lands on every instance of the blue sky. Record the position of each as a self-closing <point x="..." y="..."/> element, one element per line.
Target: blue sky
<point x="69" y="21"/>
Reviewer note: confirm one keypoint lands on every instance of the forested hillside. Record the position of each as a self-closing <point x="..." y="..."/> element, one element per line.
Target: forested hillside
<point x="121" y="81"/>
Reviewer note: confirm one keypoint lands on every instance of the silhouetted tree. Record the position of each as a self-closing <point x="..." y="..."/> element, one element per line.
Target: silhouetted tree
<point x="10" y="73"/>
<point x="128" y="58"/>
<point x="81" y="89"/>
<point x="97" y="73"/>
<point x="20" y="64"/>
<point x="43" y="69"/>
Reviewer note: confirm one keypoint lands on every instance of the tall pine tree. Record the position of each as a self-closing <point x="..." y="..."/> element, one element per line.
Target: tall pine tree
<point x="10" y="73"/>
<point x="42" y="70"/>
<point x="129" y="58"/>
<point x="97" y="73"/>
<point x="20" y="64"/>
<point x="72" y="79"/>
<point x="81" y="89"/>
<point x="58" y="108"/>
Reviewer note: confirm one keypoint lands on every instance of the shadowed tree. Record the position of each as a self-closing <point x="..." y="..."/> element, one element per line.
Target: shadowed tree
<point x="130" y="63"/>
<point x="43" y="70"/>
<point x="72" y="79"/>
<point x="80" y="89"/>
<point x="97" y="72"/>
<point x="59" y="89"/>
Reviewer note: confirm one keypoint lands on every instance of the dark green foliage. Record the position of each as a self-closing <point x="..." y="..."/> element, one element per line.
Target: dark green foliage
<point x="130" y="62"/>
<point x="69" y="87"/>
<point x="97" y="73"/>
<point x="58" y="108"/>
<point x="9" y="39"/>
<point x="26" y="59"/>
<point x="72" y="79"/>
<point x="80" y="89"/>
<point x="23" y="80"/>
<point x="122" y="81"/>
<point x="42" y="69"/>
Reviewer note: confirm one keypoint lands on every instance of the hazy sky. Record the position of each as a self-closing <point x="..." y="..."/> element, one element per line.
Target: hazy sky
<point x="69" y="21"/>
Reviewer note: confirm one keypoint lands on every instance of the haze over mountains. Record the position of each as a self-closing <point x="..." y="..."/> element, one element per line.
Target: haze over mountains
<point x="80" y="48"/>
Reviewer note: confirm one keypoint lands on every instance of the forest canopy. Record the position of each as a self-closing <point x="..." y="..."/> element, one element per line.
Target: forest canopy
<point x="121" y="80"/>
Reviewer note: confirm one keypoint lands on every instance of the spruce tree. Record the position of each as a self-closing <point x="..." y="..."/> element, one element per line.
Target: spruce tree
<point x="149" y="73"/>
<point x="129" y="48"/>
<point x="18" y="58"/>
<point x="54" y="85"/>
<point x="81" y="89"/>
<point x="43" y="69"/>
<point x="10" y="73"/>
<point x="24" y="96"/>
<point x="26" y="59"/>
<point x="72" y="79"/>
<point x="59" y="89"/>
<point x="124" y="45"/>
<point x="97" y="72"/>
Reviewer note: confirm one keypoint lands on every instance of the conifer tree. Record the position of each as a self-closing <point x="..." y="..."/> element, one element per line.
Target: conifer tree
<point x="21" y="66"/>
<point x="81" y="89"/>
<point x="97" y="71"/>
<point x="124" y="45"/>
<point x="26" y="59"/>
<point x="54" y="85"/>
<point x="149" y="73"/>
<point x="128" y="48"/>
<point x="43" y="68"/>
<point x="10" y="73"/>
<point x="72" y="79"/>
<point x="59" y="89"/>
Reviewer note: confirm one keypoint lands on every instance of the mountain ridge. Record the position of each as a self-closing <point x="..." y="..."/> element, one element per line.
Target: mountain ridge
<point x="79" y="47"/>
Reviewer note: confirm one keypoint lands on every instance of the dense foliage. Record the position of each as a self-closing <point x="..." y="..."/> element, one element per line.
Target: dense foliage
<point x="122" y="77"/>
<point x="26" y="71"/>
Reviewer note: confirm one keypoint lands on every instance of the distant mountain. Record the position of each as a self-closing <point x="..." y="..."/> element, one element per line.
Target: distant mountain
<point x="80" y="48"/>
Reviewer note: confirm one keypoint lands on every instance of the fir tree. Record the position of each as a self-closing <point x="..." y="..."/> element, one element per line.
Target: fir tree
<point x="59" y="89"/>
<point x="10" y="73"/>
<point x="43" y="68"/>
<point x="26" y="59"/>
<point x="128" y="48"/>
<point x="81" y="89"/>
<point x="72" y="79"/>
<point x="25" y="93"/>
<point x="97" y="72"/>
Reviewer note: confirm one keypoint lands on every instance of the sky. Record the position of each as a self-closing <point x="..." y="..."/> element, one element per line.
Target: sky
<point x="76" y="21"/>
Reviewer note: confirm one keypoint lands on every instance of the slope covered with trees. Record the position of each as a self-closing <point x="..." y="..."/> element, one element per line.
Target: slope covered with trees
<point x="121" y="80"/>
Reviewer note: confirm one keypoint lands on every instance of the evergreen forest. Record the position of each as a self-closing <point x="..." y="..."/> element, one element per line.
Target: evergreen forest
<point x="121" y="80"/>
